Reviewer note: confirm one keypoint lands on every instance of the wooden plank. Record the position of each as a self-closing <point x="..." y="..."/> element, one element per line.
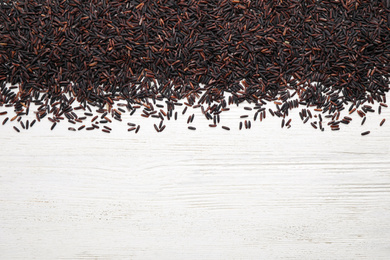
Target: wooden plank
<point x="264" y="193"/>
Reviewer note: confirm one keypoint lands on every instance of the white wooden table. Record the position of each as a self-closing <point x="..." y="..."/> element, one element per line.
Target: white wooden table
<point x="264" y="193"/>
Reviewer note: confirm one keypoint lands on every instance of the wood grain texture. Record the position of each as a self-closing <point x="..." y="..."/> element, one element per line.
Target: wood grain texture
<point x="264" y="193"/>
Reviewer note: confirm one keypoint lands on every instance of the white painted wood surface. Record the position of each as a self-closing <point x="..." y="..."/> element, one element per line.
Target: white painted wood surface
<point x="264" y="193"/>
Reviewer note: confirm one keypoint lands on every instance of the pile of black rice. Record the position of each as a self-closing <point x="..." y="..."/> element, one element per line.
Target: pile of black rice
<point x="109" y="57"/>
